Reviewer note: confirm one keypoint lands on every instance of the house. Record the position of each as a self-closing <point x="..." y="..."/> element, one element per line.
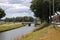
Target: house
<point x="56" y="18"/>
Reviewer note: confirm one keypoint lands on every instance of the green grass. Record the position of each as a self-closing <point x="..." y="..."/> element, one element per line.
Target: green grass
<point x="10" y="25"/>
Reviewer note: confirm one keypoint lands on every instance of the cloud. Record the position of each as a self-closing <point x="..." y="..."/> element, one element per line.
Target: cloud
<point x="15" y="8"/>
<point x="23" y="2"/>
<point x="19" y="1"/>
<point x="15" y="1"/>
<point x="20" y="14"/>
<point x="3" y="1"/>
<point x="18" y="10"/>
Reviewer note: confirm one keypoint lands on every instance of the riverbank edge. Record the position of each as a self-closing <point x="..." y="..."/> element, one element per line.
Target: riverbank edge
<point x="37" y="28"/>
<point x="12" y="28"/>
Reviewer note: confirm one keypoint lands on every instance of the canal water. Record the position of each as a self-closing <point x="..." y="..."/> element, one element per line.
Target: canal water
<point x="9" y="35"/>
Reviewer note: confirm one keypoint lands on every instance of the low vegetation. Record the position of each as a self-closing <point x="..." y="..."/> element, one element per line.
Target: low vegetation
<point x="41" y="26"/>
<point x="10" y="25"/>
<point x="47" y="33"/>
<point x="2" y="23"/>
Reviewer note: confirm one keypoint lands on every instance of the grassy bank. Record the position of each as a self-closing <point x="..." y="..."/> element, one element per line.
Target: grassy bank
<point x="9" y="26"/>
<point x="47" y="33"/>
<point x="1" y="23"/>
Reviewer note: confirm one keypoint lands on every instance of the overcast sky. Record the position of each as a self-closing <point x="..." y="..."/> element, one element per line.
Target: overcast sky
<point x="15" y="8"/>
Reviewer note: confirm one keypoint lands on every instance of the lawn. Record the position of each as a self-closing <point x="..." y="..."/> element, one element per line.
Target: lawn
<point x="47" y="33"/>
<point x="9" y="25"/>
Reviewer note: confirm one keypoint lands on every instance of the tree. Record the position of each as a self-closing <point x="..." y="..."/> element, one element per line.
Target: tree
<point x="2" y="13"/>
<point x="44" y="8"/>
<point x="20" y="19"/>
<point x="28" y="19"/>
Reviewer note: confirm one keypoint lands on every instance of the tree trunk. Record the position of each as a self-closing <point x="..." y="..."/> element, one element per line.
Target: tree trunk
<point x="42" y="21"/>
<point x="0" y="19"/>
<point x="48" y="21"/>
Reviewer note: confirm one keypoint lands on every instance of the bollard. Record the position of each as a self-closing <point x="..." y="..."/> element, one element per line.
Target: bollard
<point x="29" y="24"/>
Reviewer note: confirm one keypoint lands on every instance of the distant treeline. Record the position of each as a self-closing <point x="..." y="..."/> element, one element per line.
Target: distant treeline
<point x="19" y="19"/>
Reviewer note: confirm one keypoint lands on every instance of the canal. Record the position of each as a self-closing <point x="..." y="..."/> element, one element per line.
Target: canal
<point x="10" y="35"/>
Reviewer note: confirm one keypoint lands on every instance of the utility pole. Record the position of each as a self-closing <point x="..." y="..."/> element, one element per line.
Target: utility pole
<point x="49" y="8"/>
<point x="53" y="7"/>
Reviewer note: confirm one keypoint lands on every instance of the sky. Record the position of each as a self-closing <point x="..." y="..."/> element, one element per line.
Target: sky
<point x="14" y="8"/>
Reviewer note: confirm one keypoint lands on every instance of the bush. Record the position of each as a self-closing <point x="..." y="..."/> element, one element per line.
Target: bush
<point x="41" y="26"/>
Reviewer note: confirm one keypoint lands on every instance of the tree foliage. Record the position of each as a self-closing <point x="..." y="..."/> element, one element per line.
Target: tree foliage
<point x="20" y="19"/>
<point x="44" y="8"/>
<point x="2" y="13"/>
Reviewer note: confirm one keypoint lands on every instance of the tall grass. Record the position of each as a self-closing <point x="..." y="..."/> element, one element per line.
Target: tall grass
<point x="9" y="26"/>
<point x="2" y="23"/>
